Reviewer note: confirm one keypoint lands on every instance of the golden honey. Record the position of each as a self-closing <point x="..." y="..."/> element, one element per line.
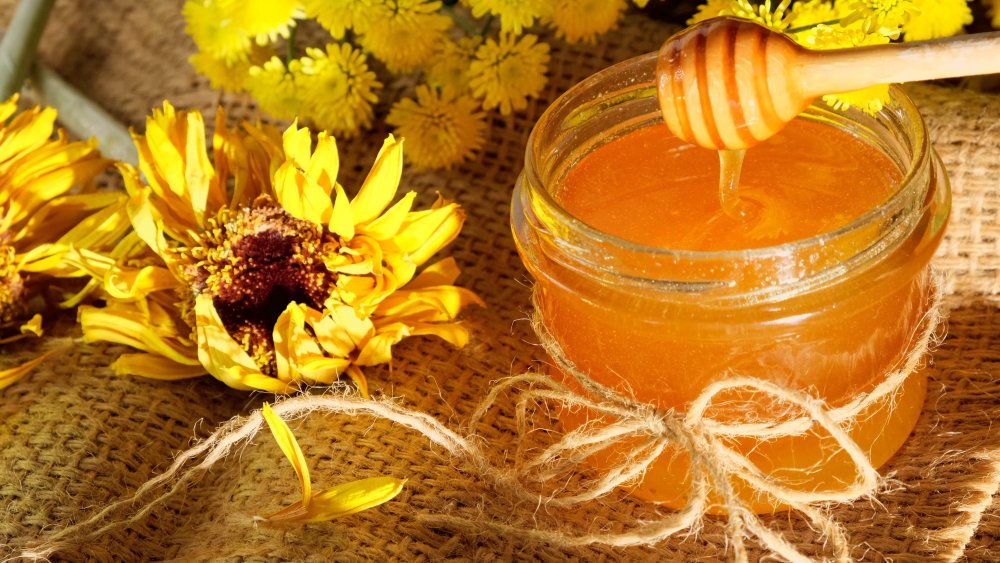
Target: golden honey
<point x="820" y="283"/>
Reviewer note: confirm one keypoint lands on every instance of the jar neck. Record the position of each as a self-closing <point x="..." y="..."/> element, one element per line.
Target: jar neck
<point x="622" y="99"/>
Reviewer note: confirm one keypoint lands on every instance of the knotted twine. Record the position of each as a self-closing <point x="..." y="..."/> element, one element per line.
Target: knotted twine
<point x="643" y="431"/>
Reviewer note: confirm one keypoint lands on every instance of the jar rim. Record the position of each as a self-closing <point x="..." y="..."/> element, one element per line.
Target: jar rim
<point x="921" y="153"/>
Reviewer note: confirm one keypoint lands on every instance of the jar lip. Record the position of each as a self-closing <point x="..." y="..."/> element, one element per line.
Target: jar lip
<point x="898" y="99"/>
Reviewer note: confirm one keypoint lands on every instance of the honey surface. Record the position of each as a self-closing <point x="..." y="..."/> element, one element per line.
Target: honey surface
<point x="834" y="342"/>
<point x="650" y="187"/>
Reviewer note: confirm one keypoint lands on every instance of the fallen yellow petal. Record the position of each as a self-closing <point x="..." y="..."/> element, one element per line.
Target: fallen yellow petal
<point x="290" y="447"/>
<point x="9" y="376"/>
<point x="341" y="500"/>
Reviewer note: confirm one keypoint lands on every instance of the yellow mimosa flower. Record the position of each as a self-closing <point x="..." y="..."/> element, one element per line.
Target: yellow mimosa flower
<point x="48" y="204"/>
<point x="584" y="20"/>
<point x="450" y="66"/>
<point x="338" y="89"/>
<point x="937" y="18"/>
<point x="257" y="267"/>
<point x="276" y="88"/>
<point x="404" y="33"/>
<point x="515" y="15"/>
<point x="441" y="128"/>
<point x="338" y="16"/>
<point x="505" y="73"/>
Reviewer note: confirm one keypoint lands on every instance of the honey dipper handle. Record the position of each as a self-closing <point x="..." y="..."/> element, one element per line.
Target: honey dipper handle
<point x="842" y="70"/>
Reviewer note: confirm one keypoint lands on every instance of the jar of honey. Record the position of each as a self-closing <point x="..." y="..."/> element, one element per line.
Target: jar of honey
<point x="820" y="283"/>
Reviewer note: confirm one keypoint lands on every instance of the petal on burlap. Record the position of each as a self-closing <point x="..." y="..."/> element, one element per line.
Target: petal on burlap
<point x="290" y="447"/>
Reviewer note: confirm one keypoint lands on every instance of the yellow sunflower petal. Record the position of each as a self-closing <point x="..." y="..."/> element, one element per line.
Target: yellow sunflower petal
<point x="33" y="326"/>
<point x="430" y="232"/>
<point x="12" y="375"/>
<point x="359" y="379"/>
<point x="8" y="107"/>
<point x="442" y="272"/>
<point x="339" y="331"/>
<point x="301" y="196"/>
<point x="325" y="163"/>
<point x="198" y="171"/>
<point x="441" y="303"/>
<point x="130" y="329"/>
<point x="341" y="500"/>
<point x="342" y="218"/>
<point x="141" y="213"/>
<point x="60" y="214"/>
<point x="153" y="366"/>
<point x="224" y="358"/>
<point x="132" y="283"/>
<point x="39" y="190"/>
<point x="378" y="349"/>
<point x="290" y="447"/>
<point x="380" y="186"/>
<point x="386" y="226"/>
<point x="292" y="342"/>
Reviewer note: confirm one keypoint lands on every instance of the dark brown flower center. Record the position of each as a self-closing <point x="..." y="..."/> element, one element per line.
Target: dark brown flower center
<point x="254" y="262"/>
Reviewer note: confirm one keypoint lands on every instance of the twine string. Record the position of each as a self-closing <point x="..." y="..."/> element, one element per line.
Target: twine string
<point x="642" y="432"/>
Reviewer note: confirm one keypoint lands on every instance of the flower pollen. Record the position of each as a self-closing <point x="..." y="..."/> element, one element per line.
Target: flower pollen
<point x="11" y="289"/>
<point x="253" y="263"/>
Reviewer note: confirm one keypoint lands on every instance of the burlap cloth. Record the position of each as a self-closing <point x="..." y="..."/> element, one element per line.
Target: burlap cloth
<point x="74" y="437"/>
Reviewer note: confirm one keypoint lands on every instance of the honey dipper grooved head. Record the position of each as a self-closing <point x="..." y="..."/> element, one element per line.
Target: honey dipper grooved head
<point x="727" y="83"/>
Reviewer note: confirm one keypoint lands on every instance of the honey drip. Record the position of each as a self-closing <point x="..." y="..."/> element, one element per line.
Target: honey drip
<point x="730" y="166"/>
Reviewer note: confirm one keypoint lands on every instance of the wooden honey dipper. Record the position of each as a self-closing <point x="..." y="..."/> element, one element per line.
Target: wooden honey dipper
<point x="729" y="83"/>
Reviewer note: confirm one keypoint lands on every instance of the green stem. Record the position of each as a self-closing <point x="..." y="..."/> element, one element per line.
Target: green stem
<point x="290" y="47"/>
<point x="82" y="117"/>
<point x="486" y="25"/>
<point x="808" y="27"/>
<point x="19" y="43"/>
<point x="463" y="21"/>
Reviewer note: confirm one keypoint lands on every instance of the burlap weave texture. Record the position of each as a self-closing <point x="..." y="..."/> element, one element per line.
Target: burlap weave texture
<point x="73" y="436"/>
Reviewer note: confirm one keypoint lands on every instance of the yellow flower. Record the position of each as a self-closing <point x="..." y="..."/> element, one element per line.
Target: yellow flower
<point x="48" y="203"/>
<point x="338" y="89"/>
<point x="774" y="17"/>
<point x="710" y="9"/>
<point x="937" y="18"/>
<point x="329" y="504"/>
<point x="226" y="29"/>
<point x="264" y="20"/>
<point x="584" y="20"/>
<point x="338" y="16"/>
<point x="812" y="12"/>
<point x="878" y="16"/>
<point x="515" y="15"/>
<point x="258" y="269"/>
<point x="441" y="128"/>
<point x="837" y="36"/>
<point x="407" y="32"/>
<point x="229" y="76"/>
<point x="275" y="88"/>
<point x="215" y="32"/>
<point x="450" y="66"/>
<point x="504" y="74"/>
<point x="993" y="12"/>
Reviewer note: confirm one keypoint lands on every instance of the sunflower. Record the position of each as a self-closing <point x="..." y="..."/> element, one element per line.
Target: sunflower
<point x="257" y="268"/>
<point x="47" y="205"/>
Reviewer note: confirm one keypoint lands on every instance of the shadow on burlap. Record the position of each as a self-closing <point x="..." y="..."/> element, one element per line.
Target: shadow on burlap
<point x="73" y="437"/>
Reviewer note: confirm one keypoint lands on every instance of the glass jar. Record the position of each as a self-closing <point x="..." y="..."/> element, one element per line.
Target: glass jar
<point x="831" y="315"/>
